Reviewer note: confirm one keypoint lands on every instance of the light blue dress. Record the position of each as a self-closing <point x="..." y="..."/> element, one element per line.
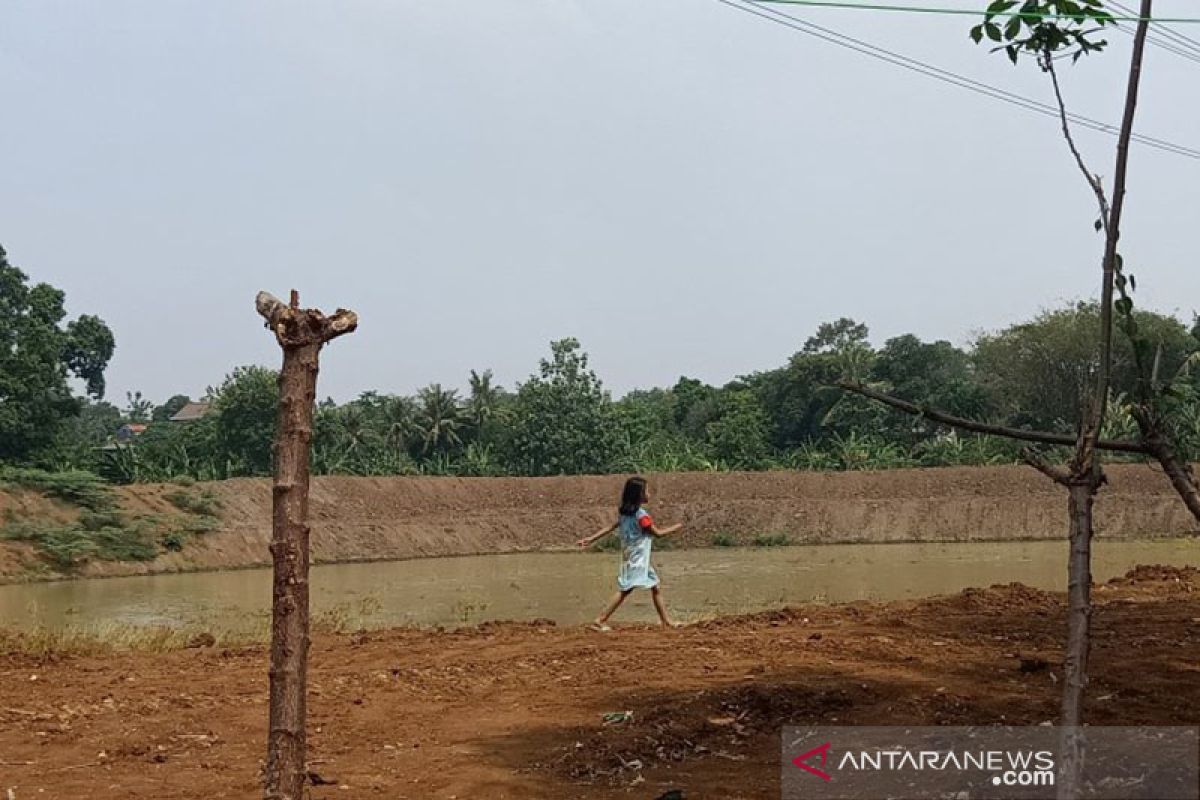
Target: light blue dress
<point x="636" y="543"/>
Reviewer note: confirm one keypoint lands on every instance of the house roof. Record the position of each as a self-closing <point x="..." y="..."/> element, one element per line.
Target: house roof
<point x="129" y="431"/>
<point x="192" y="411"/>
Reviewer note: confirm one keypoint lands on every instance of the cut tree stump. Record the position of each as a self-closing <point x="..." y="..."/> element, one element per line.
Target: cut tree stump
<point x="301" y="333"/>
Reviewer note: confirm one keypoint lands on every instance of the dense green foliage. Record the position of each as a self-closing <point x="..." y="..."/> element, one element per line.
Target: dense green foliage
<point x="1037" y="27"/>
<point x="37" y="356"/>
<point x="561" y="420"/>
<point x="76" y="487"/>
<point x="1039" y="371"/>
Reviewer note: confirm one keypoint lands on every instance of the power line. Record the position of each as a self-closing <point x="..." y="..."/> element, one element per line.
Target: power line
<point x="1164" y="44"/>
<point x="920" y="67"/>
<point x="962" y="11"/>
<point x="945" y="76"/>
<point x="1157" y="24"/>
<point x="1173" y="37"/>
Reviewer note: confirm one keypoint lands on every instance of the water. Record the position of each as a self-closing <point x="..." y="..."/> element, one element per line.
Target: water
<point x="569" y="587"/>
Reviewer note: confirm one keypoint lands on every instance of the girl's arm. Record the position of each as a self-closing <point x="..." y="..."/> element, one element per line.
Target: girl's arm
<point x="656" y="531"/>
<point x="588" y="541"/>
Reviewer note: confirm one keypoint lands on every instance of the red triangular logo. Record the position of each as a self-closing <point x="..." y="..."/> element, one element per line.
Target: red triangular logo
<point x="823" y="752"/>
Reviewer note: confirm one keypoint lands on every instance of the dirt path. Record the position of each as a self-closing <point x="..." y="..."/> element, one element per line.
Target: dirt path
<point x="515" y="711"/>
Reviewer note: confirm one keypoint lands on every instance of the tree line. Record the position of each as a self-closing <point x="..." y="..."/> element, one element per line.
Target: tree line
<point x="561" y="420"/>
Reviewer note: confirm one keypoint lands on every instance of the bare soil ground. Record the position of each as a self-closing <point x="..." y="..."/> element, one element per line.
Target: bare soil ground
<point x="387" y="518"/>
<point x="517" y="710"/>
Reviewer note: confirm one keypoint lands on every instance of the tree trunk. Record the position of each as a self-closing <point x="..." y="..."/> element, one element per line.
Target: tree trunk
<point x="1079" y="613"/>
<point x="289" y="552"/>
<point x="301" y="334"/>
<point x="1085" y="471"/>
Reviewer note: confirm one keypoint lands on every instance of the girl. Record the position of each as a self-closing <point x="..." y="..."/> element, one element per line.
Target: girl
<point x="637" y="533"/>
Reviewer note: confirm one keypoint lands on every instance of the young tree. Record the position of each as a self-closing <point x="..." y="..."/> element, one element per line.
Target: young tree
<point x="1047" y="29"/>
<point x="1067" y="27"/>
<point x="301" y="333"/>
<point x="37" y="355"/>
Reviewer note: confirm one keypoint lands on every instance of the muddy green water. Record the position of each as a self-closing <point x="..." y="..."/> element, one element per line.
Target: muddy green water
<point x="569" y="587"/>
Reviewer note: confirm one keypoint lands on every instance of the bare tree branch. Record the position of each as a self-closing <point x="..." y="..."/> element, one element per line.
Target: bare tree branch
<point x="1092" y="179"/>
<point x="1039" y="437"/>
<point x="1036" y="460"/>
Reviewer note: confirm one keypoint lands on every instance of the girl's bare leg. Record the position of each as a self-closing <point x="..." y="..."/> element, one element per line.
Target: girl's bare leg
<point x="656" y="595"/>
<point x="612" y="606"/>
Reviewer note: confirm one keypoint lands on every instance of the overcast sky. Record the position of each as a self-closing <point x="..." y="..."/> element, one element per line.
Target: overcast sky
<point x="685" y="188"/>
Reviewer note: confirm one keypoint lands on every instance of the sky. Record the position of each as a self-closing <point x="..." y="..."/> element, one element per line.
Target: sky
<point x="686" y="188"/>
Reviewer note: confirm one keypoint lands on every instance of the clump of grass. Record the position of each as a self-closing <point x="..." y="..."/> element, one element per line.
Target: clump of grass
<point x="125" y="544"/>
<point x="77" y="487"/>
<point x="723" y="539"/>
<point x="184" y="480"/>
<point x="177" y="532"/>
<point x="201" y="524"/>
<point x="339" y="619"/>
<point x="99" y="520"/>
<point x="465" y="609"/>
<point x="67" y="547"/>
<point x="203" y="503"/>
<point x="173" y="541"/>
<point x="771" y="540"/>
<point x="106" y="638"/>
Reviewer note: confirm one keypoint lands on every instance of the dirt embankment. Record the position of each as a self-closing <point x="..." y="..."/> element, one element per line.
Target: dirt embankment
<point x="387" y="518"/>
<point x="518" y="711"/>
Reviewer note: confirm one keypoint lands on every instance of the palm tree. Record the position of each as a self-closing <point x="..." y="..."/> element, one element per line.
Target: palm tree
<point x="439" y="418"/>
<point x="353" y="427"/>
<point x="399" y="419"/>
<point x="485" y="396"/>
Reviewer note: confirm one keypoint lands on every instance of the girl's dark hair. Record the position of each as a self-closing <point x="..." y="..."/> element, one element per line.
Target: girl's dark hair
<point x="632" y="496"/>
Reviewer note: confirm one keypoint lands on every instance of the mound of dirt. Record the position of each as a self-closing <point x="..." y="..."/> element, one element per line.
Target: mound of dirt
<point x="355" y="519"/>
<point x="1157" y="573"/>
<point x="999" y="599"/>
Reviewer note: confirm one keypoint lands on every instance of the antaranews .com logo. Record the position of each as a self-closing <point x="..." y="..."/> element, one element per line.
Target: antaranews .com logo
<point x="1009" y="768"/>
<point x="832" y="763"/>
